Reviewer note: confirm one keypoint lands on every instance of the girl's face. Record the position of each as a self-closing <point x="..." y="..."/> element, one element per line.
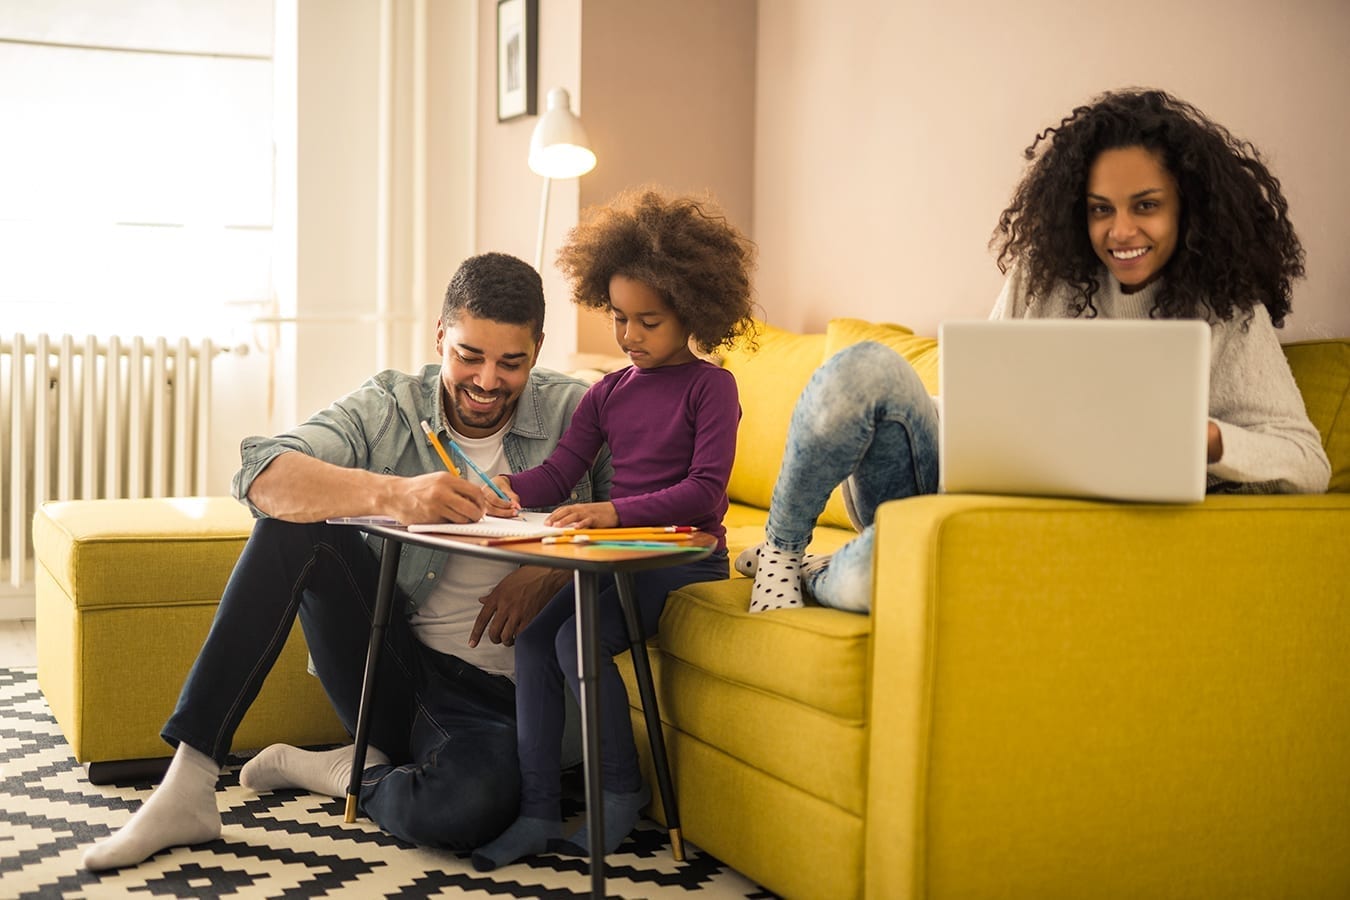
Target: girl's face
<point x="645" y="326"/>
<point x="1133" y="214"/>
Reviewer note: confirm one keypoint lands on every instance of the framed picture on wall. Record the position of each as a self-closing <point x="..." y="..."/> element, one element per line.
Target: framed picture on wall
<point x="517" y="58"/>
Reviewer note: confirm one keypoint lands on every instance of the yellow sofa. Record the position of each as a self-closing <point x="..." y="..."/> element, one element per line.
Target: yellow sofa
<point x="1052" y="698"/>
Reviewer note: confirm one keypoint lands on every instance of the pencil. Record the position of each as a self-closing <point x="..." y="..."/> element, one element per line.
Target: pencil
<point x="479" y="472"/>
<point x="650" y="537"/>
<point x="445" y="457"/>
<point x="634" y="529"/>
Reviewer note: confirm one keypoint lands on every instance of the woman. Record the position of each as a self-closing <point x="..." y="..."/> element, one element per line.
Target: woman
<point x="1135" y="206"/>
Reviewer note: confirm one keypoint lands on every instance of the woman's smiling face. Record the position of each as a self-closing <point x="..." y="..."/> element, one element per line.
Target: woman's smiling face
<point x="1133" y="214"/>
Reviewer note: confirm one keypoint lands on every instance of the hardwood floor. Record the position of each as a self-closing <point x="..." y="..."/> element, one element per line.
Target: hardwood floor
<point x="18" y="644"/>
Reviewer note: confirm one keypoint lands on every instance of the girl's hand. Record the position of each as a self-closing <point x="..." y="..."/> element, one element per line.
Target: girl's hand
<point x="585" y="515"/>
<point x="496" y="506"/>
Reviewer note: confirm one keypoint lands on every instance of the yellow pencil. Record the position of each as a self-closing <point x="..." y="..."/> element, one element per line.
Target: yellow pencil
<point x="634" y="529"/>
<point x="445" y="457"/>
<point x="657" y="536"/>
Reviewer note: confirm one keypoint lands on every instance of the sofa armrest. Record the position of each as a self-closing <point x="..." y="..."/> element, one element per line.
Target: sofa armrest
<point x="1072" y="698"/>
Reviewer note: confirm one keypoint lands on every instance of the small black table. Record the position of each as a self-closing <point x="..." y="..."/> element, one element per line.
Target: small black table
<point x="587" y="565"/>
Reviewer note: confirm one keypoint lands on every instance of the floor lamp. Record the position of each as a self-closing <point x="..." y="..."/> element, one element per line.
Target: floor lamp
<point x="558" y="149"/>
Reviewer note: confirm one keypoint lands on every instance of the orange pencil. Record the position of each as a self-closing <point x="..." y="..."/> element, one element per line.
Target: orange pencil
<point x="445" y="457"/>
<point x="634" y="529"/>
<point x="658" y="536"/>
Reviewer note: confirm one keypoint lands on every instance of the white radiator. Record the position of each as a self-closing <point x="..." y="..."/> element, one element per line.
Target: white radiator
<point x="93" y="418"/>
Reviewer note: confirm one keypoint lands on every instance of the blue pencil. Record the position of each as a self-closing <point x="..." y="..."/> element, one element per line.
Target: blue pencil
<point x="479" y="472"/>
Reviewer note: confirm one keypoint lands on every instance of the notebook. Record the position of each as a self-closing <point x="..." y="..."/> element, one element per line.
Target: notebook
<point x="526" y="525"/>
<point x="1102" y="409"/>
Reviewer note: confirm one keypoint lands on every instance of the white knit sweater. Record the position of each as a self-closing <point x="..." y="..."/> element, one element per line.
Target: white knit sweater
<point x="1269" y="444"/>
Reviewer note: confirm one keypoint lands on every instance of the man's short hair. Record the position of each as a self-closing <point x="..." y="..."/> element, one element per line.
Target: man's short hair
<point x="498" y="287"/>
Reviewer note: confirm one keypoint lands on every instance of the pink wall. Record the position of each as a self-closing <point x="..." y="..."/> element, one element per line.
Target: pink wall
<point x="666" y="93"/>
<point x="888" y="140"/>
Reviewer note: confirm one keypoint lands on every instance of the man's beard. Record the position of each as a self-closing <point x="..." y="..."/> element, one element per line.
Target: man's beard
<point x="475" y="419"/>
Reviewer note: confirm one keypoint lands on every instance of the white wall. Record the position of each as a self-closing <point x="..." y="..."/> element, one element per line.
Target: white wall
<point x="330" y="181"/>
<point x="507" y="193"/>
<point x="889" y="135"/>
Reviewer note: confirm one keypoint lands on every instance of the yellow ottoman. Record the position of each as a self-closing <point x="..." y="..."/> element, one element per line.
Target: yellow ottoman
<point x="126" y="591"/>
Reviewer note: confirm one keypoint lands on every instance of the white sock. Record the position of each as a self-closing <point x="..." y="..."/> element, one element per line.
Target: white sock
<point x="747" y="561"/>
<point x="181" y="811"/>
<point x="778" y="582"/>
<point x="325" y="772"/>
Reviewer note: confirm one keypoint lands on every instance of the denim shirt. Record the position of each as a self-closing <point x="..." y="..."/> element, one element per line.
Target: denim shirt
<point x="377" y="428"/>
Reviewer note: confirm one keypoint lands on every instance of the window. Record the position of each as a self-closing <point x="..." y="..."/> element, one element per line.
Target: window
<point x="136" y="166"/>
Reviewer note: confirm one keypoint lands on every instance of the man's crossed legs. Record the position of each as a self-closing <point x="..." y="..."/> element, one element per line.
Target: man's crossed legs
<point x="441" y="769"/>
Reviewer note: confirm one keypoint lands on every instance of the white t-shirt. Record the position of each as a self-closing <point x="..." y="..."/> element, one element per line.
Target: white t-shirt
<point x="445" y="621"/>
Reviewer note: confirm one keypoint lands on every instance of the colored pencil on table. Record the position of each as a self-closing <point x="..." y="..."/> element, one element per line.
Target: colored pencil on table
<point x="635" y="530"/>
<point x="655" y="536"/>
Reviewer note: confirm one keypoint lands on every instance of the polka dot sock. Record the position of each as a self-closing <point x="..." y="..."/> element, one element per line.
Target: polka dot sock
<point x="747" y="561"/>
<point x="778" y="583"/>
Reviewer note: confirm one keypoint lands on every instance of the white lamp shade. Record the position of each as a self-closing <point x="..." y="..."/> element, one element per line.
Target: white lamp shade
<point x="558" y="147"/>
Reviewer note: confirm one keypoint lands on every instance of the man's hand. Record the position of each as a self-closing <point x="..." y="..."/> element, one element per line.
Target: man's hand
<point x="514" y="603"/>
<point x="585" y="515"/>
<point x="1213" y="444"/>
<point x="436" y="497"/>
<point x="297" y="487"/>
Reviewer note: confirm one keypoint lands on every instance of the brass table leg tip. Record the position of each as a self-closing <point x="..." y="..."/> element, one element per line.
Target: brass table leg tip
<point x="677" y="844"/>
<point x="350" y="816"/>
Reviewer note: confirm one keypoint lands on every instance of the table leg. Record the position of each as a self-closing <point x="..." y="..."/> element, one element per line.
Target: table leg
<point x="384" y="603"/>
<point x="588" y="640"/>
<point x="642" y="668"/>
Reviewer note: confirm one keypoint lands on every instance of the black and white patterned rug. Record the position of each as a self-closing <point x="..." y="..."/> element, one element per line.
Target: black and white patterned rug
<point x="286" y="844"/>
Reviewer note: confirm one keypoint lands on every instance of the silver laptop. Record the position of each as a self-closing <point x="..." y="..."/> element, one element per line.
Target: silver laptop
<point x="1103" y="409"/>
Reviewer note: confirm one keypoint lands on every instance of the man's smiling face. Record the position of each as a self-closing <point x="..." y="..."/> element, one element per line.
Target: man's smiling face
<point x="485" y="366"/>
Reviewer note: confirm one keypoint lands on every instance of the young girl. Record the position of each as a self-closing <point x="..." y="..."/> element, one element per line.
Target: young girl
<point x="1137" y="206"/>
<point x="669" y="272"/>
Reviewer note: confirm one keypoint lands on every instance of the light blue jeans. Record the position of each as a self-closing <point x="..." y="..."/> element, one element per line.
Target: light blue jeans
<point x="864" y="414"/>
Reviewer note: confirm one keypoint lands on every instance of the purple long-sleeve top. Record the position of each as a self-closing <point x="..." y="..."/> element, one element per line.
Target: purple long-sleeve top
<point x="672" y="433"/>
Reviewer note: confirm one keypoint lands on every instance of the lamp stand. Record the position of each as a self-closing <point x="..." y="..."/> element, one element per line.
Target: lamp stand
<point x="543" y="221"/>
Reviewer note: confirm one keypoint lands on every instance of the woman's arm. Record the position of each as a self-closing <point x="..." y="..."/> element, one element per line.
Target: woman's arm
<point x="1264" y="434"/>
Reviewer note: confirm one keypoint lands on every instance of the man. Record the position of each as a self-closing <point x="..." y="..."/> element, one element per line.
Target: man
<point x="441" y="768"/>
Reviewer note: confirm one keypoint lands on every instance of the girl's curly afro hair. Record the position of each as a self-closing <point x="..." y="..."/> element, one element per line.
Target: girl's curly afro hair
<point x="681" y="247"/>
<point x="1236" y="246"/>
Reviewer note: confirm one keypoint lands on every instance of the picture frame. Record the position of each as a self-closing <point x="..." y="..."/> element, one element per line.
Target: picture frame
<point x="517" y="58"/>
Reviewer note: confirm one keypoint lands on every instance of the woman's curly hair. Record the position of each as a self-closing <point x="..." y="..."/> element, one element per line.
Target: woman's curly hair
<point x="682" y="247"/>
<point x="1236" y="246"/>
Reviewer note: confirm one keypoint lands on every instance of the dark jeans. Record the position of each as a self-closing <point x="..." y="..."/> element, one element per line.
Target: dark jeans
<point x="546" y="653"/>
<point x="448" y="728"/>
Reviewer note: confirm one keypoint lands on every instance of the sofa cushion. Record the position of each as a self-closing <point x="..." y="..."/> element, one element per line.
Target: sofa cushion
<point x="1322" y="371"/>
<point x="112" y="552"/>
<point x="769" y="379"/>
<point x="815" y="656"/>
<point x="779" y="691"/>
<point x="920" y="352"/>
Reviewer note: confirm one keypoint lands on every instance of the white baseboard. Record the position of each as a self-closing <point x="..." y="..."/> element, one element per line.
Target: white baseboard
<point x="17" y="603"/>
